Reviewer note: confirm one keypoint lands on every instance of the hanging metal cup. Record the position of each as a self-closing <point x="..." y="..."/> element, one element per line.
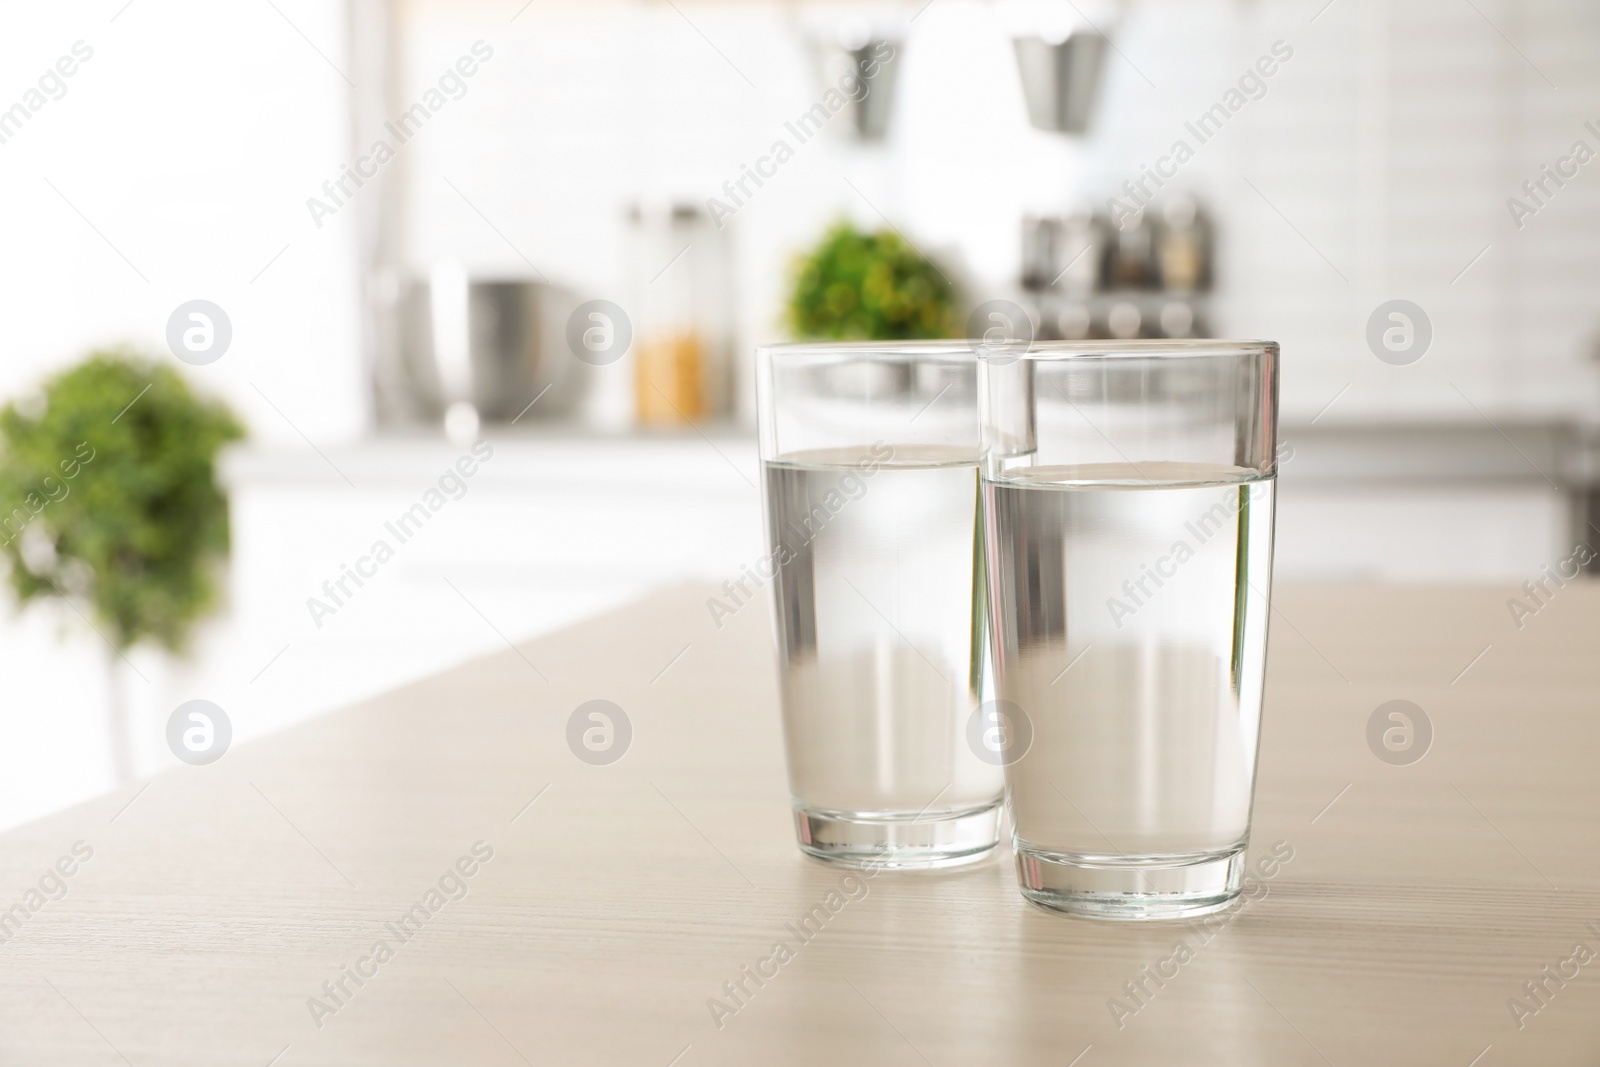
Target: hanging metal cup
<point x="1061" y="79"/>
<point x="862" y="64"/>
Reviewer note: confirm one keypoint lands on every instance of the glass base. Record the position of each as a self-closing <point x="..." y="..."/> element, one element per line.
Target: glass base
<point x="899" y="842"/>
<point x="1118" y="887"/>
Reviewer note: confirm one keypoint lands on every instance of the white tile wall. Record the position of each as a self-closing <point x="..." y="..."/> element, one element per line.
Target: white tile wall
<point x="1390" y="142"/>
<point x="551" y="530"/>
<point x="182" y="155"/>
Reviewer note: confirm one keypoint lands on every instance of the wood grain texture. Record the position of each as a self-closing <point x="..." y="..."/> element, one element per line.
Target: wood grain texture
<point x="219" y="899"/>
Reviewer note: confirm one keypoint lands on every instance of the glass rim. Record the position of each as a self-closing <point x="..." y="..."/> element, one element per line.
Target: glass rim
<point x="1136" y="348"/>
<point x="960" y="348"/>
<point x="941" y="348"/>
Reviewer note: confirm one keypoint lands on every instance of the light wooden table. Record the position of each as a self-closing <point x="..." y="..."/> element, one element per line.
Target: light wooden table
<point x="1419" y="899"/>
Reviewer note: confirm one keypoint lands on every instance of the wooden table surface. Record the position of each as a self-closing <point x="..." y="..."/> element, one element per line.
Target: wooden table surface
<point x="619" y="899"/>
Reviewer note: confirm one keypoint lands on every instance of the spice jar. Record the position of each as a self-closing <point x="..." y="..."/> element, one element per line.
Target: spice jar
<point x="681" y="315"/>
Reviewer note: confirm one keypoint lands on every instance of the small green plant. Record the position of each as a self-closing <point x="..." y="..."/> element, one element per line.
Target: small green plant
<point x="109" y="498"/>
<point x="869" y="287"/>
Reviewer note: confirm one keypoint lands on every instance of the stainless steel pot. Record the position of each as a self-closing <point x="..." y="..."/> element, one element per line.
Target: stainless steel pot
<point x="498" y="345"/>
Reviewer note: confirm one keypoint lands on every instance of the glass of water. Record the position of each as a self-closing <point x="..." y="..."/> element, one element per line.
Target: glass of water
<point x="869" y="455"/>
<point x="1128" y="498"/>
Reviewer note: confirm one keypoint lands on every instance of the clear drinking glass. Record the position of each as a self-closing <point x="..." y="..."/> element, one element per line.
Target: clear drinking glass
<point x="869" y="455"/>
<point x="1128" y="497"/>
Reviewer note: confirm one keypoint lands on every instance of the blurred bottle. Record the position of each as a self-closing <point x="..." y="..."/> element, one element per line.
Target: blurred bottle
<point x="1083" y="251"/>
<point x="1041" y="245"/>
<point x="681" y="330"/>
<point x="1066" y="253"/>
<point x="1133" y="263"/>
<point x="1184" y="245"/>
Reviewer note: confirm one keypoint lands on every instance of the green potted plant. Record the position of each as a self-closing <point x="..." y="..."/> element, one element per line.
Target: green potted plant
<point x="109" y="501"/>
<point x="869" y="287"/>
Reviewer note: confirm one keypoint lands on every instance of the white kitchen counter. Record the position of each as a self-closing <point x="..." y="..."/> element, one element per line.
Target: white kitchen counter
<point x="546" y="529"/>
<point x="555" y="526"/>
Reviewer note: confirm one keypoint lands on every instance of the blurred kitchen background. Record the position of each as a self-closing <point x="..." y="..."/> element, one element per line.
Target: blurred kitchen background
<point x="595" y="152"/>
